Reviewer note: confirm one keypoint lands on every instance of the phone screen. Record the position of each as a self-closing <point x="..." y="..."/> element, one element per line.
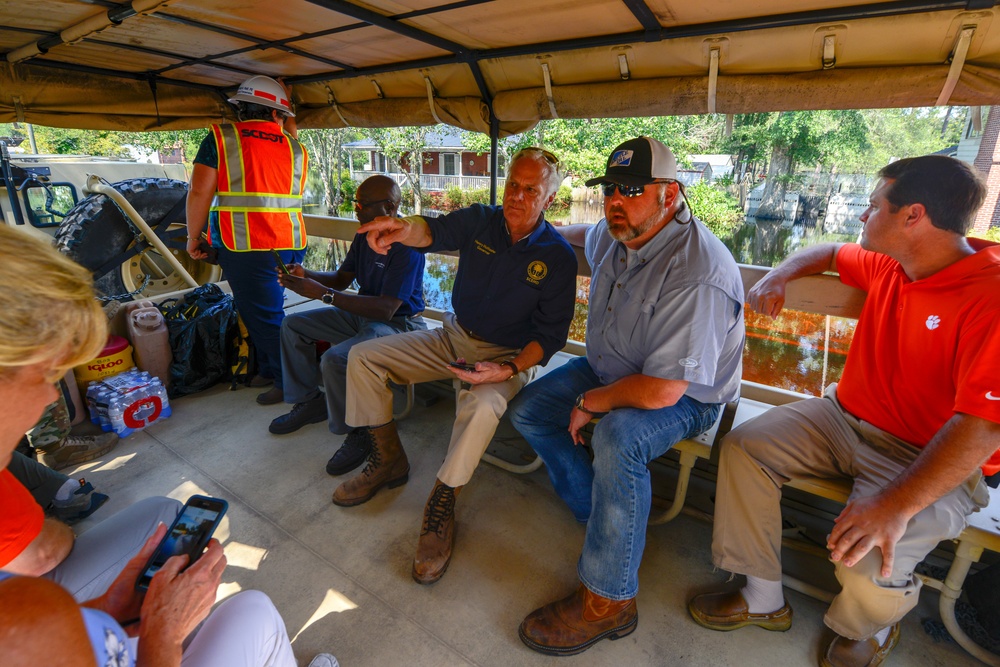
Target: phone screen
<point x="281" y="264"/>
<point x="189" y="534"/>
<point x="464" y="367"/>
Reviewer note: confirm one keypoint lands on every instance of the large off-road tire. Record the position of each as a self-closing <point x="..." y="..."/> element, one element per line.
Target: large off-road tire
<point x="96" y="231"/>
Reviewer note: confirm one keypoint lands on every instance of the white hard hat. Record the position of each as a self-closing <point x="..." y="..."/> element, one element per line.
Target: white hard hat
<point x="265" y="91"/>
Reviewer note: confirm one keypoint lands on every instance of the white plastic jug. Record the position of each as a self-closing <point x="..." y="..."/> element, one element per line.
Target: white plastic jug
<point x="151" y="342"/>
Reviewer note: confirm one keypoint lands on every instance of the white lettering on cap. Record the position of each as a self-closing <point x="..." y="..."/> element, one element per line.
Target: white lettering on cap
<point x="621" y="159"/>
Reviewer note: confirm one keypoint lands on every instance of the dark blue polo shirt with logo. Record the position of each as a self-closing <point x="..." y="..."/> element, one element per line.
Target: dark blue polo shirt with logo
<point x="399" y="274"/>
<point x="508" y="294"/>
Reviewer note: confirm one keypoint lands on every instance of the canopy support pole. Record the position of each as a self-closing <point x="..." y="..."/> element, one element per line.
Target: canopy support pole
<point x="494" y="155"/>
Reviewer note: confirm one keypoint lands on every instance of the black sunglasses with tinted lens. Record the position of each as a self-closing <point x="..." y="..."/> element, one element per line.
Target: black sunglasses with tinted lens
<point x="625" y="190"/>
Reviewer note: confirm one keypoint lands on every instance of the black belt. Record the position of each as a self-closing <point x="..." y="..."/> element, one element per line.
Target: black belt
<point x="468" y="332"/>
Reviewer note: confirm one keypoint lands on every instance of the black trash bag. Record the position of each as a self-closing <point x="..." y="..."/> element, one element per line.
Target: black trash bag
<point x="203" y="329"/>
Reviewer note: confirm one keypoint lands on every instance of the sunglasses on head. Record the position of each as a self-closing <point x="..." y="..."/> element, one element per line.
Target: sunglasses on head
<point x="547" y="155"/>
<point x="627" y="190"/>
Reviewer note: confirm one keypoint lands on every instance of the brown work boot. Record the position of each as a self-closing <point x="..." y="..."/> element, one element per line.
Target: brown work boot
<point x="77" y="449"/>
<point x="437" y="536"/>
<point x="729" y="611"/>
<point x="844" y="652"/>
<point x="574" y="624"/>
<point x="387" y="466"/>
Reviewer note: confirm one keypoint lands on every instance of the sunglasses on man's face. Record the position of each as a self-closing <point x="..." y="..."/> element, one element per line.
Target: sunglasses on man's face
<point x="626" y="190"/>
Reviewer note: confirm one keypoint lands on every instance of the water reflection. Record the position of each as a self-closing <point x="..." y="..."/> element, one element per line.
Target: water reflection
<point x="798" y="351"/>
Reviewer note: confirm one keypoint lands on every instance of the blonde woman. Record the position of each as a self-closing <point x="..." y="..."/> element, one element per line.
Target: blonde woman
<point x="50" y="322"/>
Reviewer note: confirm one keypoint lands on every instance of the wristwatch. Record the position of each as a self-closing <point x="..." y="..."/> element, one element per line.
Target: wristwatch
<point x="328" y="297"/>
<point x="579" y="404"/>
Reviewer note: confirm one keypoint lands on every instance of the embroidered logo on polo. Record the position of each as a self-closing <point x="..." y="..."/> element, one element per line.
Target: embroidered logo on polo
<point x="485" y="249"/>
<point x="537" y="271"/>
<point x="621" y="159"/>
<point x="933" y="322"/>
<point x="688" y="362"/>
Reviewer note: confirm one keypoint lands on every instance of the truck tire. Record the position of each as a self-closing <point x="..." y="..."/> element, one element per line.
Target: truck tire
<point x="96" y="231"/>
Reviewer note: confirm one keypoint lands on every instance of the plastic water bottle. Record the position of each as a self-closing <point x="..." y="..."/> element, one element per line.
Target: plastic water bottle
<point x="93" y="389"/>
<point x="115" y="421"/>
<point x="103" y="399"/>
<point x="161" y="392"/>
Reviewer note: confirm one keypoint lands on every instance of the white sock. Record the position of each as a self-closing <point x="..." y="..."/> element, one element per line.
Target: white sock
<point x="881" y="635"/>
<point x="67" y="489"/>
<point x="763" y="596"/>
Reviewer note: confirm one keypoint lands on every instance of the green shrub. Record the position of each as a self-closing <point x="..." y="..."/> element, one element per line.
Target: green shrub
<point x="563" y="200"/>
<point x="718" y="209"/>
<point x="477" y="196"/>
<point x="450" y="199"/>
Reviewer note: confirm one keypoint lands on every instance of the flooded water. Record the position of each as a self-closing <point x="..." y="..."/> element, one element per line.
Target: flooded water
<point x="798" y="351"/>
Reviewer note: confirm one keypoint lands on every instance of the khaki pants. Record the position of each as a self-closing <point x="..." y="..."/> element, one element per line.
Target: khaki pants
<point x="423" y="356"/>
<point x="818" y="438"/>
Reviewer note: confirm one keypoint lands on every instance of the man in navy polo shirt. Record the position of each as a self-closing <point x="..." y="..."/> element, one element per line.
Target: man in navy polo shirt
<point x="390" y="299"/>
<point x="513" y="299"/>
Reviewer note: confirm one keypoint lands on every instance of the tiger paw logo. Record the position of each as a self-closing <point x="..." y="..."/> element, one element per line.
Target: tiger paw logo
<point x="536" y="272"/>
<point x="933" y="322"/>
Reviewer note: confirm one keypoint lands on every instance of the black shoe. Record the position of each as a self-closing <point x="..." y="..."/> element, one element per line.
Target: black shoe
<point x="271" y="396"/>
<point x="351" y="454"/>
<point x="310" y="412"/>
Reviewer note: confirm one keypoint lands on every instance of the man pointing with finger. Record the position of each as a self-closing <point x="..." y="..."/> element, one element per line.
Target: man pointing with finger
<point x="911" y="422"/>
<point x="513" y="301"/>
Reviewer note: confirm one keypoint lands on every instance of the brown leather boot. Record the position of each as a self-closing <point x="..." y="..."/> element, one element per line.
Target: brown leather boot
<point x="844" y="652"/>
<point x="574" y="624"/>
<point x="437" y="536"/>
<point x="387" y="466"/>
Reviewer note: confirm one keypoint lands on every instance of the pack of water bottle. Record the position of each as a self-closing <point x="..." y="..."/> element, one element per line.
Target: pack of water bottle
<point x="127" y="402"/>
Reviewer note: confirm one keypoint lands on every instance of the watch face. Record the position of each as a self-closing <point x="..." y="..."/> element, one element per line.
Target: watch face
<point x="327" y="298"/>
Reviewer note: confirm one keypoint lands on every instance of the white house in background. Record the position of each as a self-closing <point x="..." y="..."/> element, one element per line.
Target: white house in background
<point x="696" y="173"/>
<point x="446" y="161"/>
<point x="722" y="165"/>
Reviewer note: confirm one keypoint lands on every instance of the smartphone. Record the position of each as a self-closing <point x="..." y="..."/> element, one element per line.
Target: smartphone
<point x="189" y="535"/>
<point x="281" y="264"/>
<point x="464" y="367"/>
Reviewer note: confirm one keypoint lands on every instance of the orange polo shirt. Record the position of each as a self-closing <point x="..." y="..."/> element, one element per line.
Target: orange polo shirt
<point x="924" y="350"/>
<point x="21" y="520"/>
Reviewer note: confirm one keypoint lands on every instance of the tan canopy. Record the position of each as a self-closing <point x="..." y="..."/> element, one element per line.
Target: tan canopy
<point x="167" y="64"/>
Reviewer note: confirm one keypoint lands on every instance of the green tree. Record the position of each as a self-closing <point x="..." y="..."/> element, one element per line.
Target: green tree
<point x="326" y="162"/>
<point x="404" y="147"/>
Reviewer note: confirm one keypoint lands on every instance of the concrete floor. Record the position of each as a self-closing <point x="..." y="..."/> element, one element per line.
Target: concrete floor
<point x="341" y="576"/>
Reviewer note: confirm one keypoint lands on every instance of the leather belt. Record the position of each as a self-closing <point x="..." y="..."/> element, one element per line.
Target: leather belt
<point x="468" y="332"/>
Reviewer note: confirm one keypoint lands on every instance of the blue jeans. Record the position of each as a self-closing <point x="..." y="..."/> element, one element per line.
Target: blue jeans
<point x="260" y="300"/>
<point x="343" y="330"/>
<point x="611" y="493"/>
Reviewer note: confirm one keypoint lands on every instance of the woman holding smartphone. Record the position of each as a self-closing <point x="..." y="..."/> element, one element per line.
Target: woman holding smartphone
<point x="51" y="322"/>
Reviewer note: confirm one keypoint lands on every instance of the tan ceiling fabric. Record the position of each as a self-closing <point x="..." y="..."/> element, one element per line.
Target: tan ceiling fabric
<point x="831" y="89"/>
<point x="378" y="76"/>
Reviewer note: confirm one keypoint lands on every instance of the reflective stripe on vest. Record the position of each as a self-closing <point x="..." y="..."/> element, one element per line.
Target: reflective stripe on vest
<point x="259" y="200"/>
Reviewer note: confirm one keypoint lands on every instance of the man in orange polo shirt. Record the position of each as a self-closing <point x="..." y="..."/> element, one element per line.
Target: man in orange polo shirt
<point x="914" y="421"/>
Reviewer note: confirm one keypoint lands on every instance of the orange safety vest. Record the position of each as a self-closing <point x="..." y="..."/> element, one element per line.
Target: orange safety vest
<point x="262" y="173"/>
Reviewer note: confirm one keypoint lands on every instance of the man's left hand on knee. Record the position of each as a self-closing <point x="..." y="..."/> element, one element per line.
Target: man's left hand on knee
<point x="864" y="524"/>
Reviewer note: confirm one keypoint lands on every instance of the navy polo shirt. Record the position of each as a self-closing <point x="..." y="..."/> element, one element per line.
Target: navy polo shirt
<point x="399" y="274"/>
<point x="508" y="294"/>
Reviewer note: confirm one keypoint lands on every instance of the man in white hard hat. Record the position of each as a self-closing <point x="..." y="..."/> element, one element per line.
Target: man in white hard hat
<point x="246" y="187"/>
